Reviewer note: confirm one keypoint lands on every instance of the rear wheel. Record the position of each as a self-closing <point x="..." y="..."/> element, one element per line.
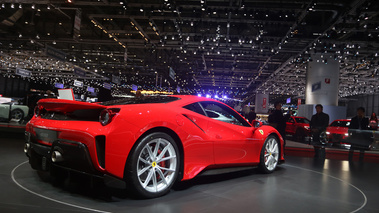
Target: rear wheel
<point x="17" y="115"/>
<point x="269" y="155"/>
<point x="154" y="166"/>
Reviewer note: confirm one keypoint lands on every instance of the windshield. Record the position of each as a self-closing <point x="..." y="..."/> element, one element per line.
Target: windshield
<point x="340" y="123"/>
<point x="302" y="120"/>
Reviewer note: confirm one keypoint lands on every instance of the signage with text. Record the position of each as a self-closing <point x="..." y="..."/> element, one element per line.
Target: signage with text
<point x="107" y="86"/>
<point x="79" y="72"/>
<point x="78" y="83"/>
<point x="23" y="72"/>
<point x="55" y="53"/>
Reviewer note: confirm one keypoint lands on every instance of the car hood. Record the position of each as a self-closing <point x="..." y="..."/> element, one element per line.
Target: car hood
<point x="337" y="130"/>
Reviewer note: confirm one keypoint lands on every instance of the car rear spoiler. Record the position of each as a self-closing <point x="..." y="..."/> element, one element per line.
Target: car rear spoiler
<point x="62" y="105"/>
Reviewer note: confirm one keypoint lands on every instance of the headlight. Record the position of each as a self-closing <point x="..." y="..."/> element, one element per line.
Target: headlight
<point x="106" y="115"/>
<point x="328" y="133"/>
<point x="306" y="127"/>
<point x="347" y="134"/>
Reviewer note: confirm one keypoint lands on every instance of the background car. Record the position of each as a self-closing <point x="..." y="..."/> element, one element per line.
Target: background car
<point x="298" y="127"/>
<point x="147" y="143"/>
<point x="11" y="111"/>
<point x="337" y="131"/>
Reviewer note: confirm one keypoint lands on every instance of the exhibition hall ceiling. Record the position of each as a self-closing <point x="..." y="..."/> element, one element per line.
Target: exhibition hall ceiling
<point x="232" y="47"/>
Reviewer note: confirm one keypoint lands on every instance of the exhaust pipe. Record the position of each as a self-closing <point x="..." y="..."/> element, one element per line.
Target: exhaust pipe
<point x="26" y="147"/>
<point x="56" y="156"/>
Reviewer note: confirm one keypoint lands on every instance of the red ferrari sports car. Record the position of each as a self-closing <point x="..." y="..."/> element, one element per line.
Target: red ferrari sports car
<point x="148" y="143"/>
<point x="337" y="131"/>
<point x="298" y="127"/>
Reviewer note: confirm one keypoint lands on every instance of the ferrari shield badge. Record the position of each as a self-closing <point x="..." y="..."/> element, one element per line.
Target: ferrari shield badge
<point x="261" y="131"/>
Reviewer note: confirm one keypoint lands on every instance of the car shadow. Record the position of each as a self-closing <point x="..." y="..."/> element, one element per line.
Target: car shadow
<point x="94" y="188"/>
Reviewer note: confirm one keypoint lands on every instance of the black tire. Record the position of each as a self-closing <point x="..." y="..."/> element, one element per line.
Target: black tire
<point x="323" y="138"/>
<point x="270" y="152"/>
<point x="17" y="115"/>
<point x="149" y="183"/>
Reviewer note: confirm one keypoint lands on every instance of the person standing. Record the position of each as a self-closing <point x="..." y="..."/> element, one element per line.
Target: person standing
<point x="319" y="123"/>
<point x="373" y="122"/>
<point x="278" y="121"/>
<point x="359" y="138"/>
<point x="251" y="116"/>
<point x="359" y="121"/>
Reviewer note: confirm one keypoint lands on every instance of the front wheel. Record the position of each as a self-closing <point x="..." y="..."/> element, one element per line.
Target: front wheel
<point x="269" y="155"/>
<point x="154" y="166"/>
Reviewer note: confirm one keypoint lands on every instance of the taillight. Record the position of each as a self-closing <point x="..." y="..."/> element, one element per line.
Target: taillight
<point x="107" y="114"/>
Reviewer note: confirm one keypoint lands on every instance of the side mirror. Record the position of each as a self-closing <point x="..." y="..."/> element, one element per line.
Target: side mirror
<point x="256" y="124"/>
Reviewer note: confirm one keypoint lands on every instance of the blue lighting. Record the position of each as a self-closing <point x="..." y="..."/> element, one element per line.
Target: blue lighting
<point x="198" y="95"/>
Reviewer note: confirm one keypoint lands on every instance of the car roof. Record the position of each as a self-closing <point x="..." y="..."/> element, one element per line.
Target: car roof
<point x="298" y="117"/>
<point x="167" y="99"/>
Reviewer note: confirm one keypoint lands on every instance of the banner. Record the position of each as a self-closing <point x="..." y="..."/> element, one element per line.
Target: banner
<point x="107" y="86"/>
<point x="172" y="73"/>
<point x="55" y="53"/>
<point x="23" y="72"/>
<point x="59" y="85"/>
<point x="91" y="89"/>
<point x="79" y="72"/>
<point x="116" y="79"/>
<point x="78" y="83"/>
<point x="77" y="23"/>
<point x="261" y="103"/>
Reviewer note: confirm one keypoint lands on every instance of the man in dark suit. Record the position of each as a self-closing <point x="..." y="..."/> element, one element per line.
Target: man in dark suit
<point x="319" y="122"/>
<point x="359" y="121"/>
<point x="359" y="139"/>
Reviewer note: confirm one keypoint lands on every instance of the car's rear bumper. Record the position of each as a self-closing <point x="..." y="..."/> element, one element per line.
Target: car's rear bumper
<point x="72" y="155"/>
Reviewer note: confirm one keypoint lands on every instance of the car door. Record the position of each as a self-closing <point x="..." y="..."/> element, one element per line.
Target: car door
<point x="291" y="126"/>
<point x="231" y="135"/>
<point x="4" y="111"/>
<point x="196" y="123"/>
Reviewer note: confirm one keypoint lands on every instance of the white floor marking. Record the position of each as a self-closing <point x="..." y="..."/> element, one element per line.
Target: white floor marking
<point x="57" y="201"/>
<point x="364" y="196"/>
<point x="100" y="211"/>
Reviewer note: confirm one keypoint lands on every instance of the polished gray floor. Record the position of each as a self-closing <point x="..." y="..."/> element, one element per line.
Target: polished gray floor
<point x="299" y="185"/>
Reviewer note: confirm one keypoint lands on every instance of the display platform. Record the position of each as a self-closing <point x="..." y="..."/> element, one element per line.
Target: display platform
<point x="302" y="184"/>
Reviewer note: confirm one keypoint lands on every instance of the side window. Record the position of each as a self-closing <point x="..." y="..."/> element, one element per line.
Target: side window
<point x="291" y="120"/>
<point x="195" y="107"/>
<point x="223" y="113"/>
